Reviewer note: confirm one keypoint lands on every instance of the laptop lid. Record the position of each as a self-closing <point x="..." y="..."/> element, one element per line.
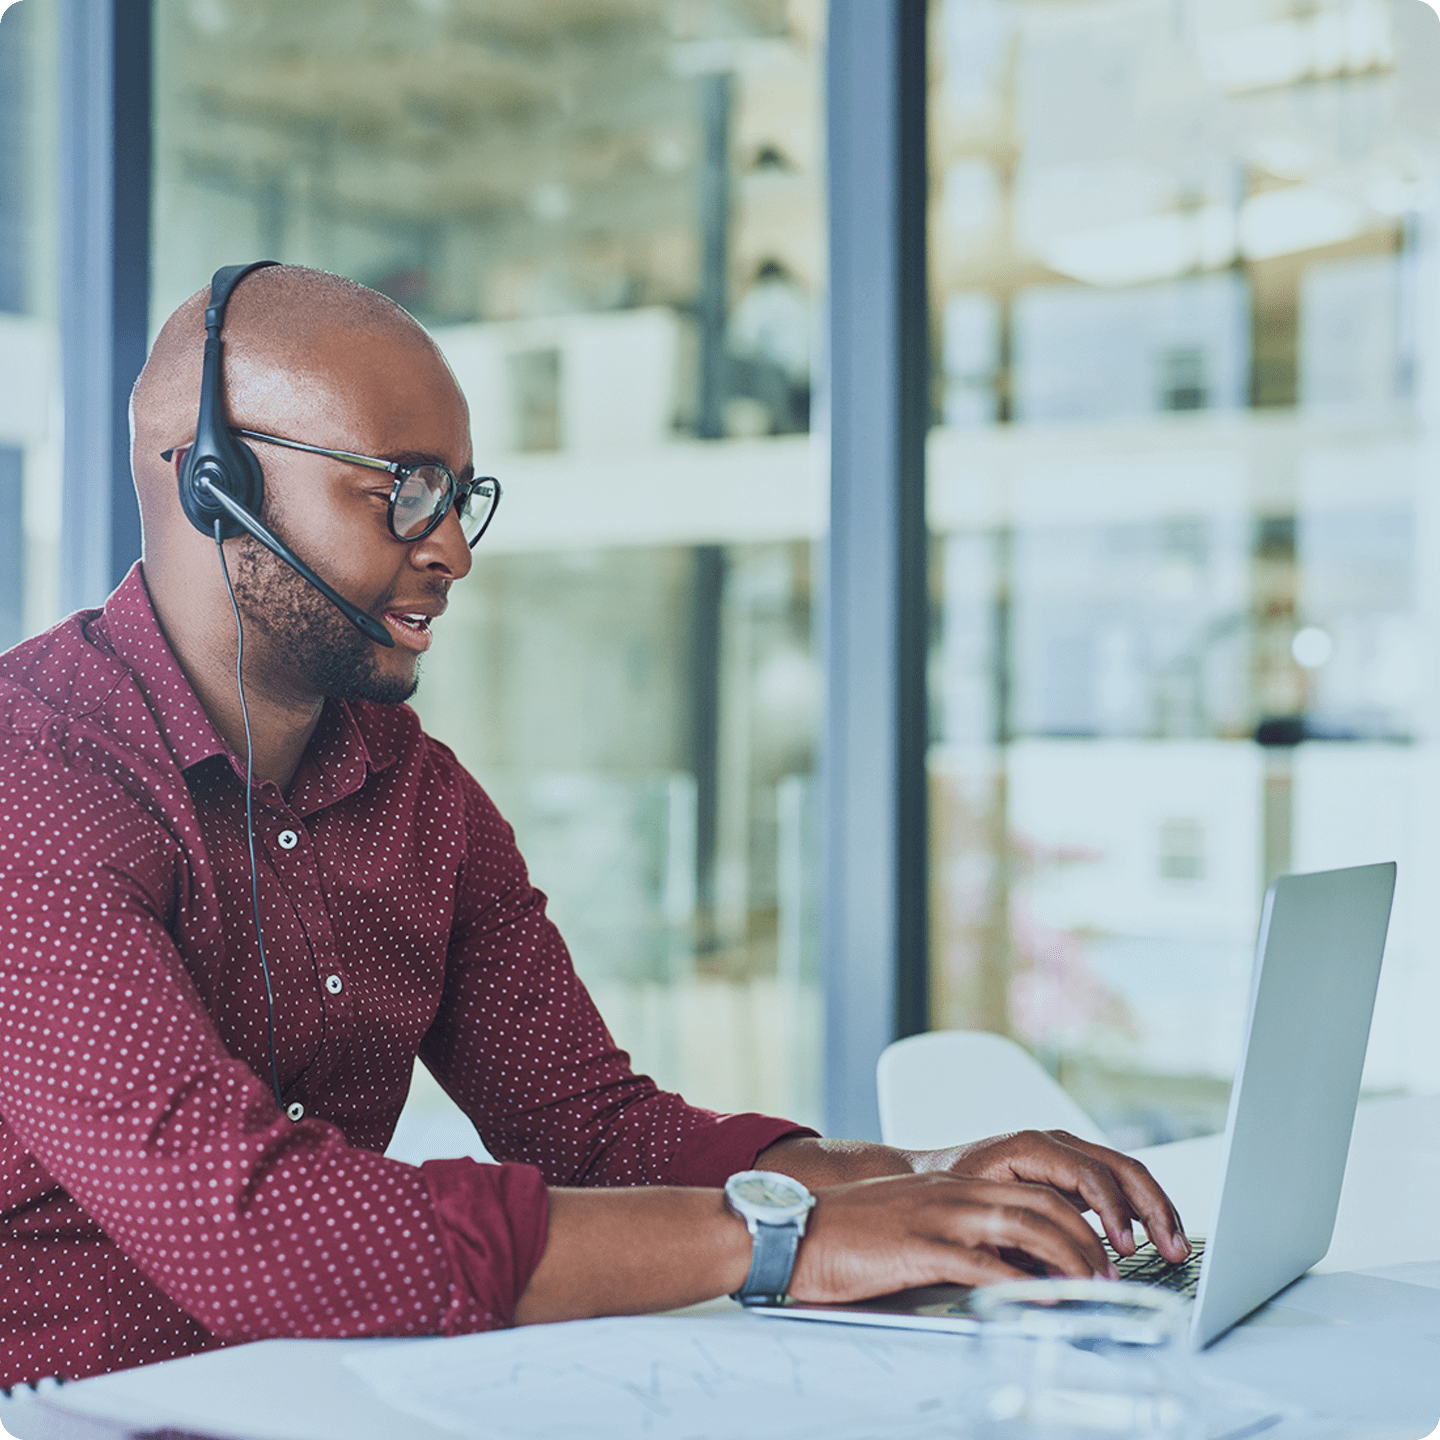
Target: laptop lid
<point x="1292" y="1110"/>
<point x="1292" y="1106"/>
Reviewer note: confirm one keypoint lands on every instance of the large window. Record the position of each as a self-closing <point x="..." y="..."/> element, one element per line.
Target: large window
<point x="1183" y="522"/>
<point x="609" y="215"/>
<point x="1184" y="279"/>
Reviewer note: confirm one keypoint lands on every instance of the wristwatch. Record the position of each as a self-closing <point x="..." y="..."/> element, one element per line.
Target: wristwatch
<point x="774" y="1209"/>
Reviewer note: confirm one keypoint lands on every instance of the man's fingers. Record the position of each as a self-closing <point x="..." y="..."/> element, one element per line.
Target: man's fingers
<point x="1079" y="1172"/>
<point x="977" y="1265"/>
<point x="1119" y="1189"/>
<point x="1149" y="1200"/>
<point x="1100" y="1191"/>
<point x="1143" y="1198"/>
<point x="1032" y="1218"/>
<point x="1021" y="1228"/>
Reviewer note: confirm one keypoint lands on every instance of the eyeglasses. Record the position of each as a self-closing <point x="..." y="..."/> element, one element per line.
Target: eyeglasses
<point x="421" y="496"/>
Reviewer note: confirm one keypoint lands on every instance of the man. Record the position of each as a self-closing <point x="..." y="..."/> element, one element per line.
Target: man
<point x="186" y="1161"/>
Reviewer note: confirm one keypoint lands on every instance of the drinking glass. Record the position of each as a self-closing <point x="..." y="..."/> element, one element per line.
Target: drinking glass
<point x="1082" y="1360"/>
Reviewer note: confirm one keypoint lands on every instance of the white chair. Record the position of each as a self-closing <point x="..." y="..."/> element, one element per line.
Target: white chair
<point x="953" y="1086"/>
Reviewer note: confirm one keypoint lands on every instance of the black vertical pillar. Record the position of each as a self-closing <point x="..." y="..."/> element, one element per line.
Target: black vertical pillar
<point x="716" y="104"/>
<point x="708" y="585"/>
<point x="875" y="928"/>
<point x="104" y="281"/>
<point x="707" y="592"/>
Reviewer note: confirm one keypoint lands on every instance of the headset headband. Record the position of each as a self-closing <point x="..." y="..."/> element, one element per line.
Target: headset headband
<point x="222" y="283"/>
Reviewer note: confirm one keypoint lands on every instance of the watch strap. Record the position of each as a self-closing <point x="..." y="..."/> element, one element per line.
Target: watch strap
<point x="772" y="1259"/>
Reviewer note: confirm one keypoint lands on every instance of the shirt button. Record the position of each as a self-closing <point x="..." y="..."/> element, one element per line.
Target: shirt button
<point x="295" y="1110"/>
<point x="288" y="839"/>
<point x="334" y="984"/>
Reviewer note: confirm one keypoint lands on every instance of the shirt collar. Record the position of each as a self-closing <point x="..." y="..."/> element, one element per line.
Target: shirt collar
<point x="349" y="743"/>
<point x="343" y="751"/>
<point x="129" y="626"/>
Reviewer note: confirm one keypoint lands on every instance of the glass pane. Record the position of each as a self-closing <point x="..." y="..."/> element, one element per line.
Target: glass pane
<point x="609" y="216"/>
<point x="30" y="415"/>
<point x="1182" y="522"/>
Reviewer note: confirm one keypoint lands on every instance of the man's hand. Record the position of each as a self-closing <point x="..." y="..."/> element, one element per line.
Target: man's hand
<point x="1118" y="1189"/>
<point x="1090" y="1177"/>
<point x="875" y="1236"/>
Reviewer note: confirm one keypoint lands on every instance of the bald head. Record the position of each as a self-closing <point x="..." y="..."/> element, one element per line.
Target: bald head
<point x="293" y="337"/>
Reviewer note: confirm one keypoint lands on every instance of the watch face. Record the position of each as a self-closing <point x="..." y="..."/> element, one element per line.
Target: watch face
<point x="768" y="1191"/>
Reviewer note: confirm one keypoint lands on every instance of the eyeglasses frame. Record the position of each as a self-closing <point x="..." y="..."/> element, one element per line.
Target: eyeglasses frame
<point x="458" y="493"/>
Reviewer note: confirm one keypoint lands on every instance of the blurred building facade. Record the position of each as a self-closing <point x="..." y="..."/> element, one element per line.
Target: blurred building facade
<point x="1184" y="267"/>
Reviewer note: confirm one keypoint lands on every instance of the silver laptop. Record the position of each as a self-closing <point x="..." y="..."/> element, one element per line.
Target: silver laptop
<point x="1292" y="1108"/>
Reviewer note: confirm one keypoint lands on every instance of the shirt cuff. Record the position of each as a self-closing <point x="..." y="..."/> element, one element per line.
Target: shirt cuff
<point x="493" y="1222"/>
<point x="710" y="1155"/>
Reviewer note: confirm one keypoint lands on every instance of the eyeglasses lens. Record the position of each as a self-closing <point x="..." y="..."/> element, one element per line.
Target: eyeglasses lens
<point x="477" y="508"/>
<point x="427" y="490"/>
<point x="422" y="495"/>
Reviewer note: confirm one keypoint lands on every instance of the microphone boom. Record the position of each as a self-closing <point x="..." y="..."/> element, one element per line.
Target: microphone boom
<point x="368" y="625"/>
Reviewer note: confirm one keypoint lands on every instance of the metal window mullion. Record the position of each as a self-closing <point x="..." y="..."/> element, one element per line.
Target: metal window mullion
<point x="104" y="282"/>
<point x="874" y="913"/>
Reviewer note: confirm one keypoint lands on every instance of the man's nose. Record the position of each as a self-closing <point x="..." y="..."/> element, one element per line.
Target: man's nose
<point x="444" y="548"/>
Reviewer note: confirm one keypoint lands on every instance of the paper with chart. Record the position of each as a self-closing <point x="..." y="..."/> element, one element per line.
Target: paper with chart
<point x="681" y="1379"/>
<point x="717" y="1378"/>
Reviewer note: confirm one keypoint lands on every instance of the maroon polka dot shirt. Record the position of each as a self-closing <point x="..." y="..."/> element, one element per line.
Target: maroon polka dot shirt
<point x="154" y="1200"/>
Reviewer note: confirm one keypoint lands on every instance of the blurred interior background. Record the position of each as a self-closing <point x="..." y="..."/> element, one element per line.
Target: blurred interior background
<point x="1182" y="477"/>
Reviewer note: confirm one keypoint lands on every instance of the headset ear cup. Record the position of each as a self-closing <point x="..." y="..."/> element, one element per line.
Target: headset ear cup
<point x="217" y="460"/>
<point x="252" y="477"/>
<point x="236" y="471"/>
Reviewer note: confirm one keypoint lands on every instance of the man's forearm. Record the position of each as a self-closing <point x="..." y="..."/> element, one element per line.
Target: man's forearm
<point x="817" y="1163"/>
<point x="618" y="1252"/>
<point x="629" y="1252"/>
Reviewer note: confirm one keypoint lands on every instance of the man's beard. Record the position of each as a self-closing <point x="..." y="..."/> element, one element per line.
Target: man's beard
<point x="311" y="633"/>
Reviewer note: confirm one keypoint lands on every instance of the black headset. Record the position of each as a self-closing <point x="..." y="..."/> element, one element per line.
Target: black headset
<point x="218" y="463"/>
<point x="221" y="483"/>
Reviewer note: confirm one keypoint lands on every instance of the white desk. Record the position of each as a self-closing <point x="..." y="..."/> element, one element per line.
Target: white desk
<point x="1360" y="1341"/>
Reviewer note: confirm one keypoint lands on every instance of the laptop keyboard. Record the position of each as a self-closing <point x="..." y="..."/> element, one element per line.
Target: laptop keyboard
<point x="1147" y="1266"/>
